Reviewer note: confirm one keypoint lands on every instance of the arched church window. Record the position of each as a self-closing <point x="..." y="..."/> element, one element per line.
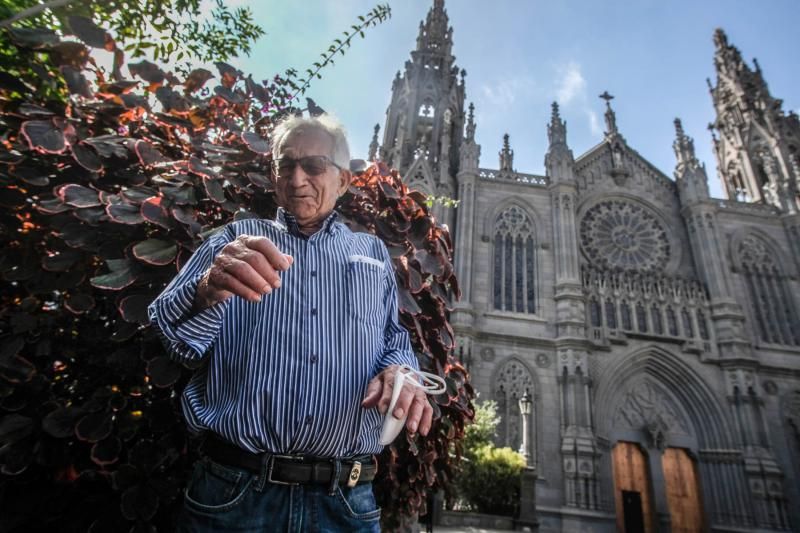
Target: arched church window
<point x="641" y="318"/>
<point x="611" y="315"/>
<point x="625" y="314"/>
<point x="672" y="322"/>
<point x="688" y="330"/>
<point x="769" y="293"/>
<point x="655" y="317"/>
<point x="514" y="262"/>
<point x="702" y="325"/>
<point x="512" y="381"/>
<point x="594" y="313"/>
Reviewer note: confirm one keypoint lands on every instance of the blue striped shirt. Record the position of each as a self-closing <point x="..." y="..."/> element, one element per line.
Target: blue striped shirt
<point x="287" y="374"/>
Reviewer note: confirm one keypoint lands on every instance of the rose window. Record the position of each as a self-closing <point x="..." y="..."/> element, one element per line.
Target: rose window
<point x="624" y="236"/>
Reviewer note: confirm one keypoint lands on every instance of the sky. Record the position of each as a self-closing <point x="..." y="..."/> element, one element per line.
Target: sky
<point x="521" y="55"/>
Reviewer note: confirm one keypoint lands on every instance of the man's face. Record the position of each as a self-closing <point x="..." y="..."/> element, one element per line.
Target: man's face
<point x="309" y="198"/>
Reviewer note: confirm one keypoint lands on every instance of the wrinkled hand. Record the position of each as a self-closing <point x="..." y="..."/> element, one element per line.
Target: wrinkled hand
<point x="412" y="400"/>
<point x="247" y="267"/>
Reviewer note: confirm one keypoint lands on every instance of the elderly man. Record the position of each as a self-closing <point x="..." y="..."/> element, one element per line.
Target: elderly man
<point x="295" y="323"/>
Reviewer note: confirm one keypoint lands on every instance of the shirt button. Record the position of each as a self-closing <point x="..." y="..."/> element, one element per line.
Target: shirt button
<point x="309" y="420"/>
<point x="314" y="312"/>
<point x="314" y="358"/>
<point x="313" y="273"/>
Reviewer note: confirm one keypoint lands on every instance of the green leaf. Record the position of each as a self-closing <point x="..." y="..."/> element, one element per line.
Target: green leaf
<point x="155" y="252"/>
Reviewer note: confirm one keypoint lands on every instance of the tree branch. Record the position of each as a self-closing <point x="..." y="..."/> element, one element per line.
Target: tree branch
<point x="32" y="11"/>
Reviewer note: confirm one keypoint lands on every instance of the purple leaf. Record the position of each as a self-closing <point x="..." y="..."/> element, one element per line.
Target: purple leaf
<point x="43" y="136"/>
<point x="133" y="308"/>
<point x="196" y="79"/>
<point x="163" y="371"/>
<point x="121" y="275"/>
<point x="86" y="157"/>
<point x="255" y="143"/>
<point x="78" y="195"/>
<point x="88" y="32"/>
<point x="155" y="252"/>
<point x="125" y="214"/>
<point x="146" y="70"/>
<point x="148" y="155"/>
<point x="76" y="81"/>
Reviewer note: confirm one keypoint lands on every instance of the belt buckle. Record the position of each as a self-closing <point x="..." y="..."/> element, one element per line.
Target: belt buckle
<point x="271" y="467"/>
<point x="355" y="473"/>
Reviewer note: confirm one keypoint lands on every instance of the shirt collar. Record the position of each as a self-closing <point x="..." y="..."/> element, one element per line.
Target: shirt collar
<point x="289" y="221"/>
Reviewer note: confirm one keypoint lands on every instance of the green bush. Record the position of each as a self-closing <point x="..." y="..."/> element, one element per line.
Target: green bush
<point x="489" y="479"/>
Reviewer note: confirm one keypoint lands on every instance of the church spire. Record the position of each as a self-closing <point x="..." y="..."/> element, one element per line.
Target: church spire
<point x="471" y="123"/>
<point x="506" y="156"/>
<point x="426" y="115"/>
<point x="435" y="39"/>
<point x="754" y="147"/>
<point x="373" y="146"/>
<point x="558" y="161"/>
<point x="557" y="129"/>
<point x="690" y="174"/>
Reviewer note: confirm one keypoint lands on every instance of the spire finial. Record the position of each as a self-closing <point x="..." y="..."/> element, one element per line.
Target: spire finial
<point x="611" y="118"/>
<point x="683" y="146"/>
<point x="471" y="123"/>
<point x="557" y="129"/>
<point x="373" y="146"/>
<point x="506" y="155"/>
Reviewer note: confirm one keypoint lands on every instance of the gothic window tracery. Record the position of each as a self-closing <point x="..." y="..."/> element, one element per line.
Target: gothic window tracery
<point x="768" y="289"/>
<point x="512" y="382"/>
<point x="625" y="314"/>
<point x="514" y="262"/>
<point x="620" y="235"/>
<point x="655" y="316"/>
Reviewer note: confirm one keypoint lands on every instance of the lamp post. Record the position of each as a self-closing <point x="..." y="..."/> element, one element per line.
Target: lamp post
<point x="527" y="508"/>
<point x="525" y="405"/>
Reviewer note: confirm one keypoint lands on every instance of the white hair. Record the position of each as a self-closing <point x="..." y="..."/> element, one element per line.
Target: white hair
<point x="340" y="150"/>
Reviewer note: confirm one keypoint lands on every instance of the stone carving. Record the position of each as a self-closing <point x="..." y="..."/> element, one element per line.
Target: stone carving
<point x="542" y="361"/>
<point x="487" y="354"/>
<point x="647" y="408"/>
<point x="620" y="235"/>
<point x="771" y="388"/>
<point x="514" y="221"/>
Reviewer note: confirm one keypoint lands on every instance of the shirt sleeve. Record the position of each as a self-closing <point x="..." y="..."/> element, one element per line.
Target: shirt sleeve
<point x="396" y="344"/>
<point x="188" y="336"/>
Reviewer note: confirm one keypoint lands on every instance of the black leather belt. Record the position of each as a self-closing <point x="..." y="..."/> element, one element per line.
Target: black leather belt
<point x="291" y="469"/>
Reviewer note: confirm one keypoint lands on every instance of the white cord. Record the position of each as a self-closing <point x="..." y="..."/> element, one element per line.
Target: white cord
<point x="431" y="383"/>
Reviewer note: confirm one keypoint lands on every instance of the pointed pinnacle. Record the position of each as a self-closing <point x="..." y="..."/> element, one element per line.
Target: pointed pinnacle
<point x="555" y="116"/>
<point x="679" y="129"/>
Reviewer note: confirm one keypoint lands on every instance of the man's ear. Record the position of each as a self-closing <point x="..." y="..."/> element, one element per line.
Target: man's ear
<point x="345" y="177"/>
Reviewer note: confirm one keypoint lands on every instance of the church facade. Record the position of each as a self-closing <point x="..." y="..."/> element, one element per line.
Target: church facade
<point x="654" y="328"/>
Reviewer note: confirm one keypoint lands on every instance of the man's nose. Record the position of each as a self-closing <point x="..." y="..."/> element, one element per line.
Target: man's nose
<point x="297" y="176"/>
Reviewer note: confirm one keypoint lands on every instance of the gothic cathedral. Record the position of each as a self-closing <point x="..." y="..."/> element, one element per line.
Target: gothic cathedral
<point x="654" y="328"/>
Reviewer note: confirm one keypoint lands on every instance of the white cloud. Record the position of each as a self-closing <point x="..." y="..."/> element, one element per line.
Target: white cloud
<point x="505" y="92"/>
<point x="594" y="122"/>
<point x="571" y="84"/>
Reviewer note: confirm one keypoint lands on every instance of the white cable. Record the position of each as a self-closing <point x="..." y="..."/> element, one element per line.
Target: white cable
<point x="430" y="383"/>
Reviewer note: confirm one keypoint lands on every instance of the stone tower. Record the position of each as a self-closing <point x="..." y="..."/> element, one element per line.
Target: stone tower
<point x="758" y="148"/>
<point x="425" y="119"/>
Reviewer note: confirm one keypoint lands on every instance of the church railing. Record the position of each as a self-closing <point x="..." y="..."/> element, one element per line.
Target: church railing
<point x="517" y="177"/>
<point x="622" y="304"/>
<point x="762" y="209"/>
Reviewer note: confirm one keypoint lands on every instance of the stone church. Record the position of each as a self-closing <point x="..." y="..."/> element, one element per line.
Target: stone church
<point x="653" y="329"/>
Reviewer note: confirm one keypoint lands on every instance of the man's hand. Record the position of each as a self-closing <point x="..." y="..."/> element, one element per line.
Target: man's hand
<point x="412" y="400"/>
<point x="247" y="267"/>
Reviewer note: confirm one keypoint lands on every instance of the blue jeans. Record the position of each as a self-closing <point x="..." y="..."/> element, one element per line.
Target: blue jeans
<point x="223" y="498"/>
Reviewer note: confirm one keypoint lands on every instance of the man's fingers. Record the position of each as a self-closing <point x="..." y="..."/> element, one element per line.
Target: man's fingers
<point x="403" y="404"/>
<point x="268" y="249"/>
<point x="245" y="274"/>
<point x="222" y="280"/>
<point x="416" y="410"/>
<point x="386" y="391"/>
<point x="373" y="393"/>
<point x="427" y="418"/>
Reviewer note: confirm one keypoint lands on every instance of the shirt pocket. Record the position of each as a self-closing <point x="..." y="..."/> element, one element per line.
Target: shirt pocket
<point x="365" y="291"/>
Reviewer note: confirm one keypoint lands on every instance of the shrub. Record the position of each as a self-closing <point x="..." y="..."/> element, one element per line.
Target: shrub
<point x="490" y="480"/>
<point x="107" y="185"/>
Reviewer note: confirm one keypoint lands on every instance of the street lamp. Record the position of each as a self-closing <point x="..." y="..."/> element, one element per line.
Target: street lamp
<point x="525" y="405"/>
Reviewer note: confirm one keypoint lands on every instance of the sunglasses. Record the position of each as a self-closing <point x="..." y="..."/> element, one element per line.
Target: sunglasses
<point x="313" y="165"/>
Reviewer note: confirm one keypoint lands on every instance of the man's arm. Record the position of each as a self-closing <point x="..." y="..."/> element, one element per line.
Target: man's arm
<point x="186" y="329"/>
<point x="189" y="312"/>
<point x="397" y="351"/>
